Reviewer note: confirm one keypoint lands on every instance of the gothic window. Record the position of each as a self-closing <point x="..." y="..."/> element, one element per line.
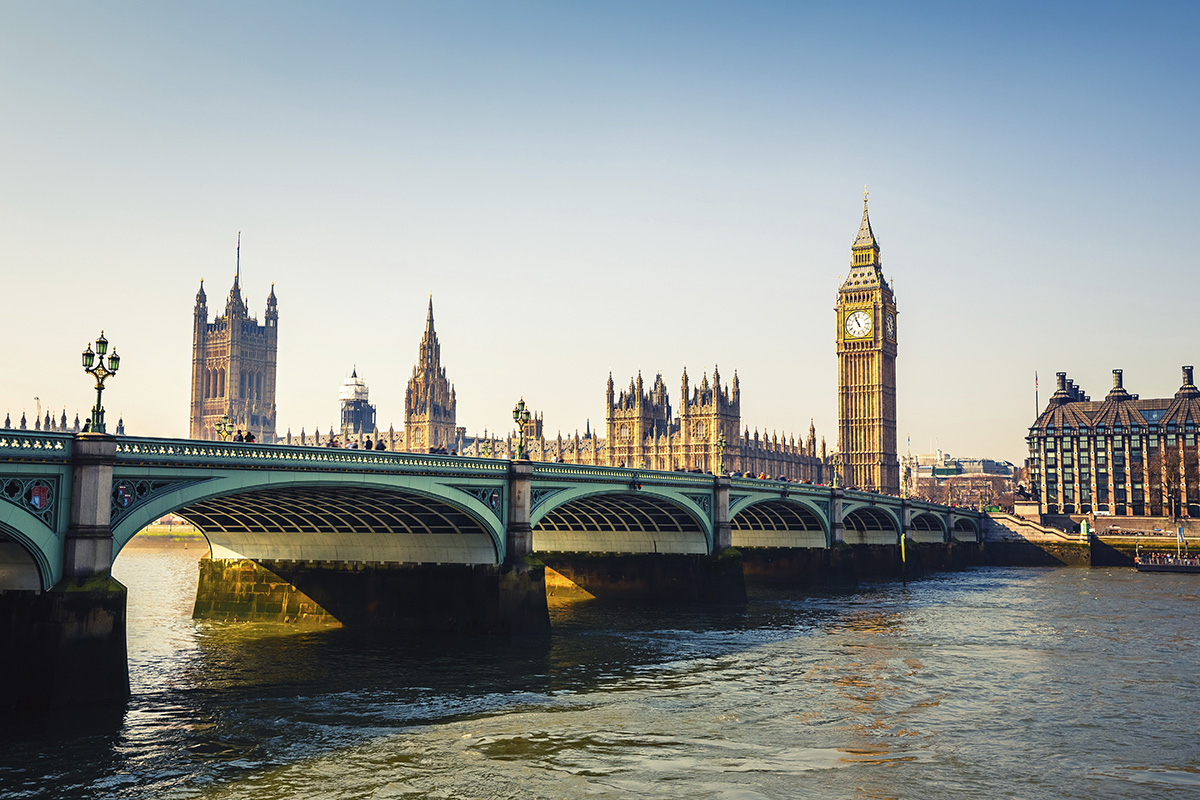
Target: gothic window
<point x="221" y="392"/>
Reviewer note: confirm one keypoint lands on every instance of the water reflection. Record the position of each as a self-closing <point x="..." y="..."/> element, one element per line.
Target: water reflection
<point x="1023" y="683"/>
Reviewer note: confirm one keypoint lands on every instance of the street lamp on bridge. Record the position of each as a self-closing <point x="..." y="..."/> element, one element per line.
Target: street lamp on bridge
<point x="721" y="454"/>
<point x="223" y="427"/>
<point x="521" y="417"/>
<point x="100" y="373"/>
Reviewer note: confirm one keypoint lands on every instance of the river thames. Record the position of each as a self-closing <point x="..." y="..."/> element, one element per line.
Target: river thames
<point x="996" y="682"/>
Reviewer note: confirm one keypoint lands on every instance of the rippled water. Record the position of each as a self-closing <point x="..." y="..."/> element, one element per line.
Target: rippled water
<point x="1020" y="683"/>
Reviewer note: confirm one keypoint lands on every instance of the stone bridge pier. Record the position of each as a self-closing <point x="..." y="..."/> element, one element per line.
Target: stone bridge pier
<point x="66" y="646"/>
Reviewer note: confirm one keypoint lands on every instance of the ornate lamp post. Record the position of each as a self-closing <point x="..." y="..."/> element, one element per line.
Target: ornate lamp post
<point x="521" y="417"/>
<point x="224" y="429"/>
<point x="721" y="454"/>
<point x="100" y="373"/>
<point x="836" y="461"/>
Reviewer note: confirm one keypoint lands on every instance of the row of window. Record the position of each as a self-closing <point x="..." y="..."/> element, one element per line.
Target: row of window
<point x="1116" y="442"/>
<point x="1119" y="509"/>
<point x="251" y="384"/>
<point x="1101" y="430"/>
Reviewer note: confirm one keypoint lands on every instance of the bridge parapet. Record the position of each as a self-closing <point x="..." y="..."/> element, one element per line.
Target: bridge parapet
<point x="35" y="446"/>
<point x="187" y="452"/>
<point x="620" y="475"/>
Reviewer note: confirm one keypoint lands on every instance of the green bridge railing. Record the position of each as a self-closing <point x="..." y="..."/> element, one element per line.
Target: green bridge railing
<point x="190" y="452"/>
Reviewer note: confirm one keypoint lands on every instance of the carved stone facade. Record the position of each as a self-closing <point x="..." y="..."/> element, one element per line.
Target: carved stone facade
<point x="866" y="349"/>
<point x="642" y="433"/>
<point x="429" y="401"/>
<point x="233" y="366"/>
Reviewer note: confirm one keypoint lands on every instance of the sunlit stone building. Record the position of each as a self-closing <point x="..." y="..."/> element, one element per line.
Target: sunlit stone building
<point x="866" y="348"/>
<point x="429" y="400"/>
<point x="233" y="366"/>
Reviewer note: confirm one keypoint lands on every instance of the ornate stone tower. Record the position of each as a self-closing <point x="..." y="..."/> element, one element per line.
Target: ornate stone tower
<point x="233" y="366"/>
<point x="866" y="348"/>
<point x="704" y="416"/>
<point x="429" y="400"/>
<point x="634" y="419"/>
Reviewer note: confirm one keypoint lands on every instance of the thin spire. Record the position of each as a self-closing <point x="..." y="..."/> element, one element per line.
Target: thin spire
<point x="866" y="237"/>
<point x="237" y="275"/>
<point x="429" y="317"/>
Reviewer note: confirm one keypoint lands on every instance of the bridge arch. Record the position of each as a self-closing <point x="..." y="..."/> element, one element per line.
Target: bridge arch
<point x="329" y="517"/>
<point x="927" y="527"/>
<point x="865" y="523"/>
<point x="965" y="529"/>
<point x="620" y="520"/>
<point x="26" y="549"/>
<point x="779" y="522"/>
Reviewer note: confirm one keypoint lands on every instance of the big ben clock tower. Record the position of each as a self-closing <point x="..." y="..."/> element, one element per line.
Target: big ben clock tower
<point x="866" y="348"/>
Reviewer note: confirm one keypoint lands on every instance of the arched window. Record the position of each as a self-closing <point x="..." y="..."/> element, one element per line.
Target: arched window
<point x="221" y="388"/>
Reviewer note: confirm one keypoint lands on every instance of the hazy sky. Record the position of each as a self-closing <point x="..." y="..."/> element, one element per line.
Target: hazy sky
<point x="586" y="187"/>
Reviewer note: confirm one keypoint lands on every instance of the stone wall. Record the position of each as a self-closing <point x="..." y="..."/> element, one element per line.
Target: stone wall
<point x="443" y="598"/>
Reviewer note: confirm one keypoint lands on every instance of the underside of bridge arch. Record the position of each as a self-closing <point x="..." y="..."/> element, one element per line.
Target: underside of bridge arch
<point x="341" y="524"/>
<point x="927" y="528"/>
<point x="965" y="530"/>
<point x="18" y="568"/>
<point x="777" y="523"/>
<point x="619" y="523"/>
<point x="869" y="526"/>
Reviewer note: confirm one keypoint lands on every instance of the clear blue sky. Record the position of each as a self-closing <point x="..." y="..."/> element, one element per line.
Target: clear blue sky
<point x="586" y="187"/>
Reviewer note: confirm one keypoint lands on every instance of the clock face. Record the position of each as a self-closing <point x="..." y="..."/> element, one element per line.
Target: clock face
<point x="858" y="324"/>
<point x="891" y="326"/>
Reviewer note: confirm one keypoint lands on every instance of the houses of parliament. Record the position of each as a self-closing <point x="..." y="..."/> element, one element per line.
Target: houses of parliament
<point x="233" y="379"/>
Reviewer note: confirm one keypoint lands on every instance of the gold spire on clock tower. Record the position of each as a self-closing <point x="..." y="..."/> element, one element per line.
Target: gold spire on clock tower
<point x="866" y="348"/>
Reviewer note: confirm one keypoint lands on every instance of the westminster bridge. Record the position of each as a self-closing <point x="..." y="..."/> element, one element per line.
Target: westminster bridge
<point x="421" y="542"/>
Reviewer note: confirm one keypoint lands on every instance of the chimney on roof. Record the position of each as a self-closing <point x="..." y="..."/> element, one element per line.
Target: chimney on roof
<point x="1118" y="391"/>
<point x="1062" y="381"/>
<point x="1188" y="389"/>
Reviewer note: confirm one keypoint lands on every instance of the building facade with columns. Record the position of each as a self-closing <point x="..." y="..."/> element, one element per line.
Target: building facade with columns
<point x="1121" y="456"/>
